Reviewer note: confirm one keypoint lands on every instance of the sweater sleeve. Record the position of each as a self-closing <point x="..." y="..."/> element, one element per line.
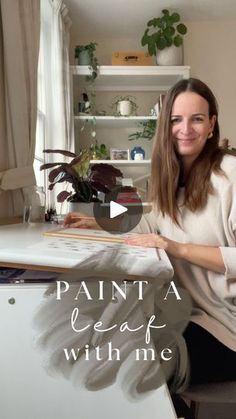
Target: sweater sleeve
<point x="228" y="252"/>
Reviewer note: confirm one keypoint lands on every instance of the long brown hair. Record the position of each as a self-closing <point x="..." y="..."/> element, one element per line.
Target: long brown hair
<point x="166" y="165"/>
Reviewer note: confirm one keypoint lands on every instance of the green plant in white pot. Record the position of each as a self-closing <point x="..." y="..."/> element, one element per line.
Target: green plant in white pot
<point x="164" y="38"/>
<point x="124" y="106"/>
<point x="85" y="55"/>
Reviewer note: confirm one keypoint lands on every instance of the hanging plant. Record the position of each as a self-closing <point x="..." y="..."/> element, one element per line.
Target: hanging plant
<point x="92" y="59"/>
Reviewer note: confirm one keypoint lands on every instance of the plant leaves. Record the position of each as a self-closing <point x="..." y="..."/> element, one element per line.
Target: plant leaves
<point x="175" y="17"/>
<point x="55" y="173"/>
<point x="98" y="186"/>
<point x="169" y="32"/>
<point x="165" y="12"/>
<point x="161" y="43"/>
<point x="106" y="169"/>
<point x="145" y="38"/>
<point x="63" y="152"/>
<point x="181" y="28"/>
<point x="178" y="40"/>
<point x="152" y="46"/>
<point x="63" y="195"/>
<point x="49" y="165"/>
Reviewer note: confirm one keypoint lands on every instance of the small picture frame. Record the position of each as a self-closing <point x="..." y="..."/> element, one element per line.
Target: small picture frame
<point x="117" y="154"/>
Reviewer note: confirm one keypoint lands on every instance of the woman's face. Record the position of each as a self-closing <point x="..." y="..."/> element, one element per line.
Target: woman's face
<point x="191" y="125"/>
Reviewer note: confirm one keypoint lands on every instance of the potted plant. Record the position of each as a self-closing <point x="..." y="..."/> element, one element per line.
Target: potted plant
<point x="85" y="54"/>
<point x="99" y="151"/>
<point x="124" y="106"/>
<point x="147" y="132"/>
<point x="166" y="38"/>
<point x="86" y="180"/>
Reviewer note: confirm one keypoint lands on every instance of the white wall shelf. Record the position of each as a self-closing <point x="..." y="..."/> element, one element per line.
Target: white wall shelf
<point x="112" y="121"/>
<point x="132" y="163"/>
<point x="146" y="83"/>
<point x="133" y="78"/>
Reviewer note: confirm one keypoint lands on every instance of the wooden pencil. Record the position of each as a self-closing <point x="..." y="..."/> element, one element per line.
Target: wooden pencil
<point x="61" y="233"/>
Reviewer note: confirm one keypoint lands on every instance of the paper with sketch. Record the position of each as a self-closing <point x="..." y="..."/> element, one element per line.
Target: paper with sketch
<point x="102" y="256"/>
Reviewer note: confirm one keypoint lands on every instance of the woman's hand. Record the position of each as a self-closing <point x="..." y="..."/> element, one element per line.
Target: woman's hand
<point x="157" y="241"/>
<point x="208" y="257"/>
<point x="80" y="220"/>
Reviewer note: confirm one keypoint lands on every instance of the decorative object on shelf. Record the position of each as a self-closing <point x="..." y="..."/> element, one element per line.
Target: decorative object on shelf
<point x="84" y="105"/>
<point x="85" y="55"/>
<point x="167" y="38"/>
<point x="131" y="58"/>
<point x="147" y="132"/>
<point x="159" y="104"/>
<point x="124" y="106"/>
<point x="116" y="154"/>
<point x="86" y="179"/>
<point x="99" y="152"/>
<point x="137" y="153"/>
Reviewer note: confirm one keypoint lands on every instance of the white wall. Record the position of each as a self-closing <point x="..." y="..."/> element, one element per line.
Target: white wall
<point x="210" y="51"/>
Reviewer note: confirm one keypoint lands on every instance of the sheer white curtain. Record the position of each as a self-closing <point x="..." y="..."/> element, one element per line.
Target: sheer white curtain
<point x="19" y="46"/>
<point x="54" y="53"/>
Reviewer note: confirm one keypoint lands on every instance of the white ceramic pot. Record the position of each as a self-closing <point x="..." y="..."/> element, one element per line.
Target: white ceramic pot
<point x="83" y="207"/>
<point x="170" y="56"/>
<point x="124" y="107"/>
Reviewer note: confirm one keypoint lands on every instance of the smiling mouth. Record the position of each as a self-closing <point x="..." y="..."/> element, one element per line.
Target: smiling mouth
<point x="186" y="140"/>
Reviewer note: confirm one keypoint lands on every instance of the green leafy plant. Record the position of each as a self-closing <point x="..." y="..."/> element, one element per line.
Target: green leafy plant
<point x="166" y="31"/>
<point x="93" y="61"/>
<point x="147" y="132"/>
<point x="86" y="179"/>
<point x="100" y="152"/>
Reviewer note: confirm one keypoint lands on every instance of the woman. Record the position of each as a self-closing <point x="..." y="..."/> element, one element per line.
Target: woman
<point x="193" y="190"/>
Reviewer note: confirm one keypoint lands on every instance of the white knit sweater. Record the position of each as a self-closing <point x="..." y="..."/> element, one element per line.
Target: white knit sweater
<point x="213" y="294"/>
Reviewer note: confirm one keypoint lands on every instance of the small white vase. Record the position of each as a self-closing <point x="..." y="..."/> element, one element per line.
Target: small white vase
<point x="170" y="56"/>
<point x="124" y="108"/>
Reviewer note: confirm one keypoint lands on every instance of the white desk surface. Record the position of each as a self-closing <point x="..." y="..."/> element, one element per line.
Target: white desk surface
<point x="24" y="246"/>
<point x="19" y="247"/>
<point x="15" y="248"/>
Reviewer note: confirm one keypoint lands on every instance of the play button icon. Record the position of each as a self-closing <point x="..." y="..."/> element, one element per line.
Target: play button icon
<point x="120" y="212"/>
<point x="116" y="209"/>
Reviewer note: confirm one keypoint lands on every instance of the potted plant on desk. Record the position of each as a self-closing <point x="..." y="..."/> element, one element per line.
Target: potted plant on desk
<point x="86" y="179"/>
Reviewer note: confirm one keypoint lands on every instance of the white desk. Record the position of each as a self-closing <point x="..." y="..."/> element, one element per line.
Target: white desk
<point x="15" y="249"/>
<point x="24" y="246"/>
<point x="27" y="391"/>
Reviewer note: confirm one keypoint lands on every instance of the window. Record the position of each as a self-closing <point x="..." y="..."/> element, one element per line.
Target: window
<point x="54" y="113"/>
<point x="39" y="157"/>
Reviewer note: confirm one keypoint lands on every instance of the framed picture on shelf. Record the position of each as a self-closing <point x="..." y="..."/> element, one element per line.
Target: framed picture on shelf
<point x="116" y="154"/>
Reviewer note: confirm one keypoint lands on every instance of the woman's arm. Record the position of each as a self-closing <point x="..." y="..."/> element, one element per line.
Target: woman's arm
<point x="79" y="220"/>
<point x="207" y="257"/>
